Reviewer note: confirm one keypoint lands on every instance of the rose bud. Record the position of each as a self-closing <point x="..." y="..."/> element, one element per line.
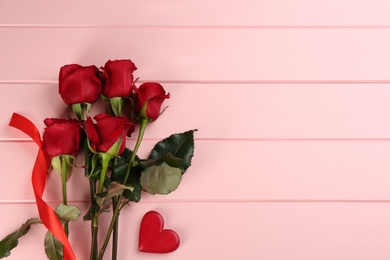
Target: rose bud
<point x="78" y="84"/>
<point x="108" y="135"/>
<point x="148" y="100"/>
<point x="118" y="83"/>
<point x="107" y="138"/>
<point x="119" y="78"/>
<point x="61" y="137"/>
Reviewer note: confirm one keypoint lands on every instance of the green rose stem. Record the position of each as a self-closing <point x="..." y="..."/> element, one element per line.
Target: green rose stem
<point x="94" y="218"/>
<point x="94" y="233"/>
<point x="81" y="111"/>
<point x="106" y="158"/>
<point x="115" y="232"/>
<point x="64" y="175"/>
<point x="115" y="215"/>
<point x="115" y="229"/>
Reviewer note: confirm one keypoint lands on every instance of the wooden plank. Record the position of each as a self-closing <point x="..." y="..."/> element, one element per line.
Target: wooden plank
<point x="239" y="171"/>
<point x="290" y="99"/>
<point x="234" y="111"/>
<point x="196" y="13"/>
<point x="169" y="54"/>
<point x="277" y="231"/>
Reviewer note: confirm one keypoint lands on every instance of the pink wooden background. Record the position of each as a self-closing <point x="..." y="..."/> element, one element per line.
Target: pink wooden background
<point x="291" y="99"/>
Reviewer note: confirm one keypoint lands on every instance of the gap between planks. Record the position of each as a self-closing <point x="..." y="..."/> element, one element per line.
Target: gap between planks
<point x="156" y="26"/>
<point x="287" y="201"/>
<point x="293" y="139"/>
<point x="289" y="139"/>
<point x="217" y="82"/>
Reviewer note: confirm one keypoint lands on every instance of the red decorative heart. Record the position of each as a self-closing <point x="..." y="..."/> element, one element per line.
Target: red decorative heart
<point x="153" y="238"/>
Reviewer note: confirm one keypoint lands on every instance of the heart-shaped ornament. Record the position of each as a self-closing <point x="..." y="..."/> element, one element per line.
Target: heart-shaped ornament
<point x="153" y="238"/>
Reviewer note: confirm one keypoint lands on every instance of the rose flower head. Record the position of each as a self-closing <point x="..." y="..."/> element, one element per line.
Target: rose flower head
<point x="61" y="137"/>
<point x="148" y="99"/>
<point x="119" y="78"/>
<point x="78" y="84"/>
<point x="109" y="133"/>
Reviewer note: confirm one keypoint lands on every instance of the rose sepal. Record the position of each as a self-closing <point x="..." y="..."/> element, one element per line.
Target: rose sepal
<point x="142" y="113"/>
<point x="115" y="148"/>
<point x="81" y="110"/>
<point x="105" y="158"/>
<point x="64" y="164"/>
<point x="116" y="105"/>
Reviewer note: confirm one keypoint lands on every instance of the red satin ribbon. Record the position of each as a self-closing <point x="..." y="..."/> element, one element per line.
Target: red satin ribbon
<point x="42" y="163"/>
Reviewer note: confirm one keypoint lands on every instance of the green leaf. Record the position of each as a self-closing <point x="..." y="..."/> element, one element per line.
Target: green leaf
<point x="161" y="179"/>
<point x="127" y="154"/>
<point x="53" y="247"/>
<point x="11" y="241"/>
<point x="134" y="195"/>
<point x="67" y="213"/>
<point x="179" y="146"/>
<point x="119" y="170"/>
<point x="118" y="173"/>
<point x="168" y="159"/>
<point x="93" y="209"/>
<point x="134" y="181"/>
<point x="114" y="190"/>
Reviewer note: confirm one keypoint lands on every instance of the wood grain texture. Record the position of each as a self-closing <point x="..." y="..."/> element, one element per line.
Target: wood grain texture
<point x="235" y="111"/>
<point x="195" y="13"/>
<point x="178" y="54"/>
<point x="233" y="230"/>
<point x="241" y="171"/>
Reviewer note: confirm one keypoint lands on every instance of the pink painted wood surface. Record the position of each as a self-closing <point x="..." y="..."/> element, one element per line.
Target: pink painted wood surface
<point x="194" y="55"/>
<point x="195" y="13"/>
<point x="291" y="99"/>
<point x="264" y="111"/>
<point x="318" y="231"/>
<point x="260" y="171"/>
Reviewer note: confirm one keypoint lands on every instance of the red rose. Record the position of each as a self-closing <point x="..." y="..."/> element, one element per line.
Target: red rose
<point x="61" y="137"/>
<point x="78" y="84"/>
<point x="119" y="78"/>
<point x="152" y="95"/>
<point x="107" y="131"/>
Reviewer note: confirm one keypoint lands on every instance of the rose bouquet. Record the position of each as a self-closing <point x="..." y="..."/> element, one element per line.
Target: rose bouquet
<point x="115" y="174"/>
